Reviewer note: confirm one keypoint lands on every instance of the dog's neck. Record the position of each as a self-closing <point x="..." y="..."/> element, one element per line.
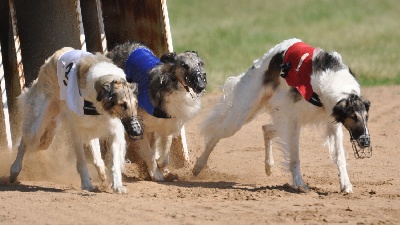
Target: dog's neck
<point x="334" y="86"/>
<point x="137" y="68"/>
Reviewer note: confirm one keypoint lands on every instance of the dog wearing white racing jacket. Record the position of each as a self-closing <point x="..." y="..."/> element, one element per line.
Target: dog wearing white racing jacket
<point x="298" y="85"/>
<point x="87" y="96"/>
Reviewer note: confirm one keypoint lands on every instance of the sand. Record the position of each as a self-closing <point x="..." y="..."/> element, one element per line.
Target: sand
<point x="233" y="189"/>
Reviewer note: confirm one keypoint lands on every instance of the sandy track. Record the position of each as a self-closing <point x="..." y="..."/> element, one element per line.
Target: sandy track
<point x="233" y="189"/>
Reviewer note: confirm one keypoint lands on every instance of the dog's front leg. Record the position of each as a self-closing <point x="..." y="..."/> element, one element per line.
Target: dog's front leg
<point x="163" y="148"/>
<point x="118" y="150"/>
<point x="269" y="133"/>
<point x="336" y="134"/>
<point x="148" y="154"/>
<point x="97" y="159"/>
<point x="81" y="164"/>
<point x="291" y="138"/>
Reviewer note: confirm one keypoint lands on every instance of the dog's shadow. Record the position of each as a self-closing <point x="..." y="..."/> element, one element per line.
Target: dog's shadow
<point x="239" y="186"/>
<point x="5" y="185"/>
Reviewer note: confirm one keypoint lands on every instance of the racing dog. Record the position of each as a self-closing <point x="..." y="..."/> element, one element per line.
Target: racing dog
<point x="87" y="96"/>
<point x="170" y="90"/>
<point x="298" y="85"/>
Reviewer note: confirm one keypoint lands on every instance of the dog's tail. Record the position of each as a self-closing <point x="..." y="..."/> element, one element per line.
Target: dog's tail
<point x="241" y="101"/>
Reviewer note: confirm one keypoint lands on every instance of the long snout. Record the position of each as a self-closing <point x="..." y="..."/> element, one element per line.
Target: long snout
<point x="133" y="128"/>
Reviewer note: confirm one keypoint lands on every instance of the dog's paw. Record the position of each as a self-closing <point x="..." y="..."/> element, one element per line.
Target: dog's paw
<point x="299" y="183"/>
<point x="14" y="172"/>
<point x="88" y="186"/>
<point x="347" y="189"/>
<point x="198" y="167"/>
<point x="157" y="176"/>
<point x="120" y="190"/>
<point x="269" y="165"/>
<point x="268" y="170"/>
<point x="12" y="178"/>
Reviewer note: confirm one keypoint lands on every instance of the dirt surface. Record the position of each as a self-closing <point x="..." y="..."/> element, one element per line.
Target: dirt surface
<point x="233" y="189"/>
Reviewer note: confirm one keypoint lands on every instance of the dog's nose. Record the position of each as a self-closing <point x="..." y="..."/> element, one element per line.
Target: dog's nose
<point x="364" y="141"/>
<point x="200" y="82"/>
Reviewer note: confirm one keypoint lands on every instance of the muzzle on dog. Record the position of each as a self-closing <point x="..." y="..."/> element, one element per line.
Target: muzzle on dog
<point x="197" y="81"/>
<point x="361" y="147"/>
<point x="124" y="110"/>
<point x="133" y="128"/>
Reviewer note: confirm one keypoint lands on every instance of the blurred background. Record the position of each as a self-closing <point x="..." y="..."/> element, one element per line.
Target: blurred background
<point x="230" y="34"/>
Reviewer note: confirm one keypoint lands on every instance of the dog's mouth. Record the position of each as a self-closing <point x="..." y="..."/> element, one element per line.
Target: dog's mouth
<point x="197" y="81"/>
<point x="133" y="128"/>
<point x="361" y="146"/>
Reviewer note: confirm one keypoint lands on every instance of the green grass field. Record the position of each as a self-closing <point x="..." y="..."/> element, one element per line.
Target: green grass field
<point x="230" y="34"/>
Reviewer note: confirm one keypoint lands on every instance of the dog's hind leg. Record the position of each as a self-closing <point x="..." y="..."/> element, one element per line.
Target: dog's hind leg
<point x="50" y="126"/>
<point x="37" y="126"/>
<point x="335" y="137"/>
<point x="269" y="133"/>
<point x="202" y="160"/>
<point x="17" y="165"/>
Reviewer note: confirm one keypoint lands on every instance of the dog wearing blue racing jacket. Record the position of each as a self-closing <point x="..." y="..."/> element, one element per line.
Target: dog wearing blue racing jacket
<point x="170" y="90"/>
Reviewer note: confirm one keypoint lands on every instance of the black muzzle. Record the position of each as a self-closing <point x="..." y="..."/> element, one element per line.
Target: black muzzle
<point x="133" y="128"/>
<point x="362" y="147"/>
<point x="197" y="81"/>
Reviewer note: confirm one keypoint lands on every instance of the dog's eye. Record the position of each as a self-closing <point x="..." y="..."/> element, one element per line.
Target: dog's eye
<point x="355" y="118"/>
<point x="185" y="66"/>
<point x="124" y="106"/>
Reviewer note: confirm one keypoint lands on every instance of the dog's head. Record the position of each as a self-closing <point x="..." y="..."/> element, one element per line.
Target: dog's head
<point x="352" y="112"/>
<point x="119" y="99"/>
<point x="188" y="69"/>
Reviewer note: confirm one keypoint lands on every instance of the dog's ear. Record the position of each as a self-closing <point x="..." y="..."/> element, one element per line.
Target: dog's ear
<point x="339" y="111"/>
<point x="337" y="56"/>
<point x="170" y="57"/>
<point x="195" y="52"/>
<point x="105" y="93"/>
<point x="367" y="104"/>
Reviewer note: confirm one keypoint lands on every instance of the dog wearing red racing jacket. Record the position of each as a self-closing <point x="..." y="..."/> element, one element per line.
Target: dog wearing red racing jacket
<point x="298" y="85"/>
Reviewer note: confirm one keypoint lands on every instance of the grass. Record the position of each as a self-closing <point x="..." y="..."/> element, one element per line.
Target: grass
<point x="230" y="34"/>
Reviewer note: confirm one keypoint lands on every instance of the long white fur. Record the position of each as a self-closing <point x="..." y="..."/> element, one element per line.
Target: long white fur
<point x="182" y="107"/>
<point x="41" y="106"/>
<point x="246" y="95"/>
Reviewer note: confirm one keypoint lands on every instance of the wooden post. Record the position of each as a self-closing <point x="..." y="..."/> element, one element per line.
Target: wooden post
<point x="44" y="27"/>
<point x="93" y="25"/>
<point x="12" y="73"/>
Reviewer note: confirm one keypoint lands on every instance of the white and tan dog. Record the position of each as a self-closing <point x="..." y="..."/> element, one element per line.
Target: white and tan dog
<point x="298" y="85"/>
<point x="88" y="96"/>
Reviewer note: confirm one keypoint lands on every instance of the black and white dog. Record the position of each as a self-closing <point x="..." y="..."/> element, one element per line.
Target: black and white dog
<point x="298" y="85"/>
<point x="170" y="90"/>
